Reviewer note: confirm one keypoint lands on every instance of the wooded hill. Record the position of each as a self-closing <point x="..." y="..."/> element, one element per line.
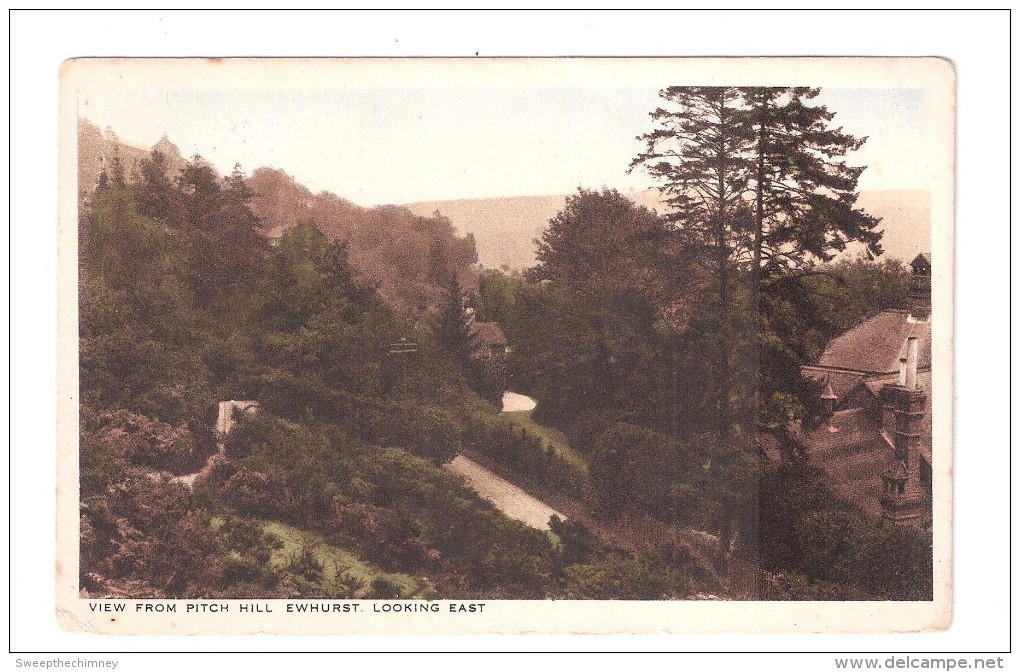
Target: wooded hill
<point x="335" y="488"/>
<point x="409" y="256"/>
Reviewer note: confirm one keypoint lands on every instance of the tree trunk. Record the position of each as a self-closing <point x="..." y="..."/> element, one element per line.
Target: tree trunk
<point x="759" y="235"/>
<point x="759" y="213"/>
<point x="722" y="260"/>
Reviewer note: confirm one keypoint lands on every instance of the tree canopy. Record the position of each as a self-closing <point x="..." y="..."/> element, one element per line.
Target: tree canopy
<point x="722" y="153"/>
<point x="759" y="188"/>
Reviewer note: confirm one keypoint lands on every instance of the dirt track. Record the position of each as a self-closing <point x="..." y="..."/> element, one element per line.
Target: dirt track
<point x="513" y="402"/>
<point x="505" y="496"/>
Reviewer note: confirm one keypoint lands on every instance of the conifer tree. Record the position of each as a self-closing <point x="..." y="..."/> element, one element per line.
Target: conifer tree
<point x="699" y="153"/>
<point x="804" y="191"/>
<point x="156" y="193"/>
<point x="103" y="182"/>
<point x="757" y="181"/>
<point x="454" y="332"/>
<point x="758" y="173"/>
<point x="117" y="171"/>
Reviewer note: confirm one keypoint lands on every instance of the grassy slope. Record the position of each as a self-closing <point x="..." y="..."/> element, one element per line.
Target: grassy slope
<point x="333" y="558"/>
<point x="550" y="437"/>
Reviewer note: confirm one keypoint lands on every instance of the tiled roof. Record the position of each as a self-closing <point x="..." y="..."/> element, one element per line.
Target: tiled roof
<point x="842" y="432"/>
<point x="875" y="385"/>
<point x="876" y="345"/>
<point x="841" y="382"/>
<point x="852" y="457"/>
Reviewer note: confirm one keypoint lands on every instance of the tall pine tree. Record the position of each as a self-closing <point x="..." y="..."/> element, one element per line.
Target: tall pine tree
<point x="804" y="191"/>
<point x="698" y="151"/>
<point x="756" y="179"/>
<point x="758" y="173"/>
<point x="454" y="332"/>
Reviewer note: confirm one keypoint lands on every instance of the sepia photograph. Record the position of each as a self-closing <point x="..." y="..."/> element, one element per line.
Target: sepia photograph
<point x="496" y="345"/>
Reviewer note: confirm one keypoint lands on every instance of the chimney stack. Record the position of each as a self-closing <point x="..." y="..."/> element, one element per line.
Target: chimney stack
<point x="911" y="377"/>
<point x="903" y="372"/>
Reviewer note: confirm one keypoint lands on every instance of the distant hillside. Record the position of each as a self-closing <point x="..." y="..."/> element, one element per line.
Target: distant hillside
<point x="96" y="148"/>
<point x="410" y="257"/>
<point x="505" y="228"/>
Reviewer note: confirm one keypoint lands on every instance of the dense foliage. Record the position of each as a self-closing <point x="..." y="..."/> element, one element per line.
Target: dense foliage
<point x="664" y="409"/>
<point x="829" y="550"/>
<point x="335" y="487"/>
<point x="660" y="346"/>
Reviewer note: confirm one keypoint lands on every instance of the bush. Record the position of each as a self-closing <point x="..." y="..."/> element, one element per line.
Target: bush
<point x="637" y="469"/>
<point x="615" y="577"/>
<point x="424" y="430"/>
<point x="306" y="564"/>
<point x="239" y="572"/>
<point x="147" y="532"/>
<point x="345" y="584"/>
<point x="384" y="589"/>
<point x="249" y="539"/>
<point x="577" y="543"/>
<point x="98" y="466"/>
<point x="524" y="454"/>
<point x="253" y="493"/>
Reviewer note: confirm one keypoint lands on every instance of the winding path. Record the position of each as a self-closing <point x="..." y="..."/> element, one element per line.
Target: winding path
<point x="513" y="402"/>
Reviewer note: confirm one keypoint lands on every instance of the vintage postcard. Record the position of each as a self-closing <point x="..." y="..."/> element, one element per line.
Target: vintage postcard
<point x="505" y="345"/>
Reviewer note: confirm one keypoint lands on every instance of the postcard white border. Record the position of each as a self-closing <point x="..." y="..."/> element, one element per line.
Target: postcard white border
<point x="977" y="43"/>
<point x="934" y="77"/>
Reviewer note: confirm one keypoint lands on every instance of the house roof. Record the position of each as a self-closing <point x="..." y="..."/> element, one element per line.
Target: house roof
<point x="875" y="385"/>
<point x="876" y="345"/>
<point x="846" y="429"/>
<point x="852" y="452"/>
<point x="840" y="382"/>
<point x="488" y="333"/>
<point x="924" y="257"/>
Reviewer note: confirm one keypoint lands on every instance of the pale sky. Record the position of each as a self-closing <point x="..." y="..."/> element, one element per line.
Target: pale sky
<point x="377" y="132"/>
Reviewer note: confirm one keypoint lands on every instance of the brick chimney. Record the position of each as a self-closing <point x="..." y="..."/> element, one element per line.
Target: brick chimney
<point x="911" y="373"/>
<point x="903" y="496"/>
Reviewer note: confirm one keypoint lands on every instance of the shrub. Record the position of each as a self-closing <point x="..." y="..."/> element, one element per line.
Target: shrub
<point x="635" y="468"/>
<point x="523" y="453"/>
<point x="146" y="532"/>
<point x="249" y="539"/>
<point x="253" y="493"/>
<point x="249" y="571"/>
<point x="615" y="577"/>
<point x="385" y="589"/>
<point x="306" y="564"/>
<point x="147" y="442"/>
